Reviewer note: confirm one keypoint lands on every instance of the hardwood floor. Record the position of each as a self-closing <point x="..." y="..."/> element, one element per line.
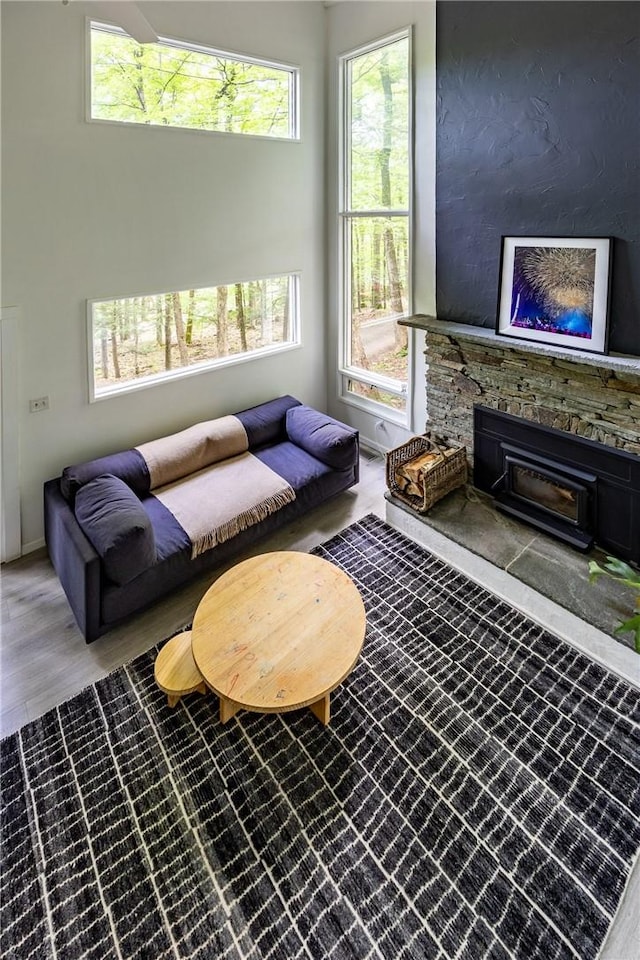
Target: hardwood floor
<point x="43" y="655"/>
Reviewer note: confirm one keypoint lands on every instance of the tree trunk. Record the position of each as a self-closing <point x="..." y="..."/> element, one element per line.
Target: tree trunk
<point x="139" y="82"/>
<point x="188" y="337"/>
<point x="125" y="321"/>
<point x="254" y="290"/>
<point x="356" y="267"/>
<point x="266" y="316"/>
<point x="104" y="354"/>
<point x="114" y="343"/>
<point x="377" y="270"/>
<point x="358" y="353"/>
<point x="393" y="273"/>
<point x="159" y="321"/>
<point x="142" y="304"/>
<point x="179" y="322"/>
<point x="221" y="319"/>
<point x="384" y="159"/>
<point x="167" y="332"/>
<point x="286" y="315"/>
<point x="242" y="326"/>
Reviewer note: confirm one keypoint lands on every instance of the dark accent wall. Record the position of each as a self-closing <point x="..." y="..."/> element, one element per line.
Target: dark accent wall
<point x="538" y="134"/>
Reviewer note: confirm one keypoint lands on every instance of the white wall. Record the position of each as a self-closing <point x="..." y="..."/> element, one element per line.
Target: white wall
<point x="352" y="24"/>
<point x="97" y="210"/>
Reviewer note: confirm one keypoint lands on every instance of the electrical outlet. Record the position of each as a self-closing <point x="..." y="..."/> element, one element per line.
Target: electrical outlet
<point x="40" y="403"/>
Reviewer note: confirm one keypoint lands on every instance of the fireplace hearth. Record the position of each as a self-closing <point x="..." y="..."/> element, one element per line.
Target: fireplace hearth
<point x="578" y="490"/>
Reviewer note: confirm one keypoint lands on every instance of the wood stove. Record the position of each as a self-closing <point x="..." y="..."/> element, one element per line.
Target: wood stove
<point x="580" y="491"/>
<point x="555" y="498"/>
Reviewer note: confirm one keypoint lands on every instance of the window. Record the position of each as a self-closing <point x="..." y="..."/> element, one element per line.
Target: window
<point x="374" y="220"/>
<point x="177" y="84"/>
<point x="138" y="341"/>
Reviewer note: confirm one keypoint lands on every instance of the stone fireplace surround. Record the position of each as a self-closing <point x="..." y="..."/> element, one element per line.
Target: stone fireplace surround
<point x="589" y="395"/>
<point x="595" y="396"/>
<point x="586" y="396"/>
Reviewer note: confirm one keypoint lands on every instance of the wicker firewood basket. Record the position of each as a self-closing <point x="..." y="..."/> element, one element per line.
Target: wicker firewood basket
<point x="425" y="469"/>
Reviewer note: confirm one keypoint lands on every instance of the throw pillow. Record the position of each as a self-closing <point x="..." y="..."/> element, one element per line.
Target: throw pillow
<point x="323" y="437"/>
<point x="114" y="520"/>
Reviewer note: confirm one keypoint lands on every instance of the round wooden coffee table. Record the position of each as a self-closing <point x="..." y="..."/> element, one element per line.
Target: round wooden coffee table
<point x="278" y="632"/>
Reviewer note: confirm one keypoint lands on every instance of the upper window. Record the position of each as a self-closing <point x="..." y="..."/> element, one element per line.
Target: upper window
<point x="374" y="215"/>
<point x="177" y="84"/>
<point x="139" y="341"/>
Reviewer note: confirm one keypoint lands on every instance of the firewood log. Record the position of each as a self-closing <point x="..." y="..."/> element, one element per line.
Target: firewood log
<point x="413" y="468"/>
<point x="414" y="490"/>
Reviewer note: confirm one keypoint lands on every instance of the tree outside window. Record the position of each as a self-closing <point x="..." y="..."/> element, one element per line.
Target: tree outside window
<point x="140" y="340"/>
<point x="374" y="216"/>
<point x="175" y="84"/>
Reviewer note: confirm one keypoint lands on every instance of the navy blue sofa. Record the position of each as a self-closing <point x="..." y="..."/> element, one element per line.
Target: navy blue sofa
<point x="317" y="455"/>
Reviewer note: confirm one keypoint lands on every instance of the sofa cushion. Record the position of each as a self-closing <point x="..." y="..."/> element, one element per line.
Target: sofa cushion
<point x="113" y="519"/>
<point x="323" y="437"/>
<point x="294" y="464"/>
<point x="128" y="465"/>
<point x="265" y="423"/>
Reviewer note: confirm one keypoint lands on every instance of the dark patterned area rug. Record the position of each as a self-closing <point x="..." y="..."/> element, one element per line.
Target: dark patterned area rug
<point x="475" y="796"/>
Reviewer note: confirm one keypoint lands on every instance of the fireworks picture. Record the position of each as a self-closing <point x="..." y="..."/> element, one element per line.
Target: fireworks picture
<point x="553" y="290"/>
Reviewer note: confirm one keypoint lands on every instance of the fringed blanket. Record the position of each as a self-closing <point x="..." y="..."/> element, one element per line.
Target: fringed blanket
<point x="213" y="487"/>
<point x="218" y="502"/>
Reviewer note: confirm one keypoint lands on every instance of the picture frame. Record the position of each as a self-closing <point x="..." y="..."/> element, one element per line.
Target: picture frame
<point x="556" y="290"/>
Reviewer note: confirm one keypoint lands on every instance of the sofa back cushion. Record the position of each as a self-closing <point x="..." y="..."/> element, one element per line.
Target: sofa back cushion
<point x="128" y="465"/>
<point x="327" y="439"/>
<point x="113" y="519"/>
<point x="182" y="453"/>
<point x="266" y="423"/>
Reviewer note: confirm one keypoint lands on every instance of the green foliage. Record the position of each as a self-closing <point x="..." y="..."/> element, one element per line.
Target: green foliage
<point x="623" y="573"/>
<point x="380" y="128"/>
<point x="156" y="83"/>
<point x="378" y="182"/>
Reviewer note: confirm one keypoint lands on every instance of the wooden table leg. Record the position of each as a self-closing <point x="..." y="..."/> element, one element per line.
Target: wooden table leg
<point x="322" y="709"/>
<point x="228" y="709"/>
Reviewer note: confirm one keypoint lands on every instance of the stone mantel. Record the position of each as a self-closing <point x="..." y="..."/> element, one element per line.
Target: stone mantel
<point x="591" y="395"/>
<point x="474" y="334"/>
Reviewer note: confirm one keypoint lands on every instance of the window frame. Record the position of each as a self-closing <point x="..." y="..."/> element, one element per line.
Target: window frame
<point x="292" y="69"/>
<point x="96" y="395"/>
<point x="347" y="372"/>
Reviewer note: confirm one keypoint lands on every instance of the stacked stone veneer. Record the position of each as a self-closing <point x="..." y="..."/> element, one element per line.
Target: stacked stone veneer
<point x="593" y="401"/>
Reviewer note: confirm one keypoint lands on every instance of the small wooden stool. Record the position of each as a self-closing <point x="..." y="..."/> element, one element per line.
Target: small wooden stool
<point x="175" y="670"/>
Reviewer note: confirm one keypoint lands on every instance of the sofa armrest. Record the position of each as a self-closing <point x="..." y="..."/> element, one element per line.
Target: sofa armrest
<point x="75" y="561"/>
<point x="329" y="440"/>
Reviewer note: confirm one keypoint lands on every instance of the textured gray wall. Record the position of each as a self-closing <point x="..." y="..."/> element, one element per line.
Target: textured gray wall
<point x="538" y="134"/>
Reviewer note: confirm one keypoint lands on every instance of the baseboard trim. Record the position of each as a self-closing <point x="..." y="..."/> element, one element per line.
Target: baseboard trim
<point x="367" y="444"/>
<point x="32" y="546"/>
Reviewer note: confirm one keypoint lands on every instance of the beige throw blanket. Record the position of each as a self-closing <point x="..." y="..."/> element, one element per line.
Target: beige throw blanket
<point x="216" y="503"/>
<point x="181" y="454"/>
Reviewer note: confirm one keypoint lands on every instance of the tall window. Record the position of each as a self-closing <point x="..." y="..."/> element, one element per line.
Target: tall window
<point x="375" y="203"/>
<point x="176" y="84"/>
<point x="138" y="341"/>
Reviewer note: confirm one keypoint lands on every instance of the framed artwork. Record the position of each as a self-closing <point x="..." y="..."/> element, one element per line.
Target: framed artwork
<point x="556" y="290"/>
